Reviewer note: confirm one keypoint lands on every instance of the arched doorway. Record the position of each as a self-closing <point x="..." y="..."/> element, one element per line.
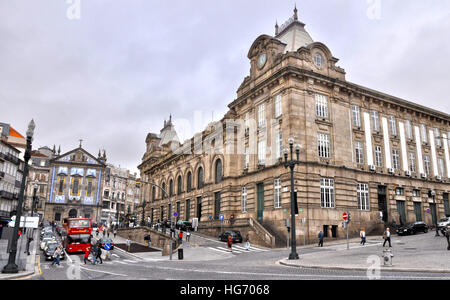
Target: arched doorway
<point x="72" y="213"/>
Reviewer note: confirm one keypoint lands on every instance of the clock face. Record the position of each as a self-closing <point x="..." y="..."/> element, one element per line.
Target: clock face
<point x="262" y="60"/>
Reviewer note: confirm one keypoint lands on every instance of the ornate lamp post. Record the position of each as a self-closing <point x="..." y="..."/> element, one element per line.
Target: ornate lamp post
<point x="11" y="267"/>
<point x="291" y="165"/>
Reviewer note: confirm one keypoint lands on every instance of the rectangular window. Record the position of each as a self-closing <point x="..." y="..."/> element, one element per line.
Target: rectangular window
<point x="261" y="115"/>
<point x="441" y="167"/>
<point x="412" y="162"/>
<point x="378" y="157"/>
<point x="244" y="199"/>
<point x="277" y="193"/>
<point x="262" y="152"/>
<point x="409" y="133"/>
<point x="321" y="106"/>
<point x="277" y="104"/>
<point x="356" y="112"/>
<point x="359" y="151"/>
<point x="392" y="125"/>
<point x="327" y="193"/>
<point x="278" y="144"/>
<point x="323" y="145"/>
<point x="247" y="121"/>
<point x="416" y="193"/>
<point x="246" y="158"/>
<point x="438" y="137"/>
<point x="375" y="121"/>
<point x="363" y="196"/>
<point x="399" y="191"/>
<point x="426" y="160"/>
<point x="423" y="132"/>
<point x="396" y="159"/>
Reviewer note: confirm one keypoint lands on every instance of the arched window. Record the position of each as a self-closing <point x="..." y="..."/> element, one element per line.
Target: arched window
<point x="218" y="171"/>
<point x="189" y="182"/>
<point x="200" y="178"/>
<point x="163" y="195"/>
<point x="179" y="185"/>
<point x="171" y="188"/>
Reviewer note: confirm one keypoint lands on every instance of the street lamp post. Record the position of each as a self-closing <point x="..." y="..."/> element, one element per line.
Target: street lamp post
<point x="11" y="267"/>
<point x="291" y="165"/>
<point x="433" y="194"/>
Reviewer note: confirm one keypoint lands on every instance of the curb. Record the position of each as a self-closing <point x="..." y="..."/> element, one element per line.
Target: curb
<point x="128" y="253"/>
<point x="350" y="268"/>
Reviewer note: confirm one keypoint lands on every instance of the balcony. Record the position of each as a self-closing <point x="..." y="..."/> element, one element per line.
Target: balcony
<point x="10" y="158"/>
<point x="6" y="195"/>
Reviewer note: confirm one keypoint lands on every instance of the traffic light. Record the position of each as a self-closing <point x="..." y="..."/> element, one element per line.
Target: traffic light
<point x="349" y="217"/>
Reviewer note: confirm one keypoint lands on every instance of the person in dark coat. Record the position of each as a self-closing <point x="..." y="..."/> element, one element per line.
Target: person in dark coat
<point x="320" y="236"/>
<point x="99" y="254"/>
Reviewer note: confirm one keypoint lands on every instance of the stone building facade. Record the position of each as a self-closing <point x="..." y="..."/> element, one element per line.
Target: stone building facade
<point x="377" y="156"/>
<point x="75" y="182"/>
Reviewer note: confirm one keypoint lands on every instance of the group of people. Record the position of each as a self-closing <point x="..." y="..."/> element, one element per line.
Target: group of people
<point x="105" y="230"/>
<point x="96" y="252"/>
<point x="362" y="235"/>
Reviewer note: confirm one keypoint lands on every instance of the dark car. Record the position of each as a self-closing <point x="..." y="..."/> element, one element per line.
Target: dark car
<point x="50" y="250"/>
<point x="104" y="241"/>
<point x="235" y="235"/>
<point x="412" y="228"/>
<point x="183" y="225"/>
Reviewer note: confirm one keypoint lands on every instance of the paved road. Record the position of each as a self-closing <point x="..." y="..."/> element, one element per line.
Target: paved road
<point x="252" y="265"/>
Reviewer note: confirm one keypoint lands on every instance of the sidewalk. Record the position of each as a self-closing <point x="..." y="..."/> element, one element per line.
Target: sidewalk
<point x="26" y="263"/>
<point x="417" y="253"/>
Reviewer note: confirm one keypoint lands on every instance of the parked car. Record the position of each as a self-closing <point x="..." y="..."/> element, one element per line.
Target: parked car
<point x="184" y="225"/>
<point x="412" y="228"/>
<point x="104" y="241"/>
<point x="50" y="250"/>
<point x="443" y="223"/>
<point x="235" y="235"/>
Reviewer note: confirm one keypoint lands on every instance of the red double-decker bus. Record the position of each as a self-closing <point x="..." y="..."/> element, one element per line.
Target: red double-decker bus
<point x="78" y="236"/>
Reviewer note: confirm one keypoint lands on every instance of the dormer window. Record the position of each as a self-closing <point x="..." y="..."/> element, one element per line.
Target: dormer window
<point x="318" y="60"/>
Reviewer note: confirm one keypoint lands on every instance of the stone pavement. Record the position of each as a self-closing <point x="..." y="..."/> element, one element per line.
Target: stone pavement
<point x="26" y="263"/>
<point x="191" y="251"/>
<point x="417" y="253"/>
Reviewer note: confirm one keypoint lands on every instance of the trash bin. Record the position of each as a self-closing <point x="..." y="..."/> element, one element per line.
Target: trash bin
<point x="180" y="253"/>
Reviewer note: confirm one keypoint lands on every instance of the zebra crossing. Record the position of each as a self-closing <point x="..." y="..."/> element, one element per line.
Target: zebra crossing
<point x="236" y="249"/>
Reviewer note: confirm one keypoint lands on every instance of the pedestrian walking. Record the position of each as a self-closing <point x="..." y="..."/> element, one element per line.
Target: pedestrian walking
<point x="99" y="254"/>
<point x="128" y="244"/>
<point x="97" y="231"/>
<point x="180" y="237"/>
<point x="362" y="234"/>
<point x="115" y="232"/>
<point x="57" y="256"/>
<point x="104" y="232"/>
<point x="247" y="243"/>
<point x="387" y="237"/>
<point x="230" y="243"/>
<point x="86" y="255"/>
<point x="447" y="235"/>
<point x="94" y="254"/>
<point x="188" y="235"/>
<point x="320" y="239"/>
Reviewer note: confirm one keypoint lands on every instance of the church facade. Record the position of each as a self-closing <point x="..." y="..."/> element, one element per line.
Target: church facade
<point x="75" y="186"/>
<point x="379" y="157"/>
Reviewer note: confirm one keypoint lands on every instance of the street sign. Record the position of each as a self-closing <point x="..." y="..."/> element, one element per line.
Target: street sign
<point x="175" y="214"/>
<point x="210" y="217"/>
<point x="300" y="209"/>
<point x="221" y="217"/>
<point x="31" y="222"/>
<point x="345" y="216"/>
<point x="107" y="246"/>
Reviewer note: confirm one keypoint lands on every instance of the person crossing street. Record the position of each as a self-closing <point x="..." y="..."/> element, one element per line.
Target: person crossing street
<point x="387" y="237"/>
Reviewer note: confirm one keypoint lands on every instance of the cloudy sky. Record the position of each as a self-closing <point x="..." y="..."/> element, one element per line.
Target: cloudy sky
<point x="110" y="71"/>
